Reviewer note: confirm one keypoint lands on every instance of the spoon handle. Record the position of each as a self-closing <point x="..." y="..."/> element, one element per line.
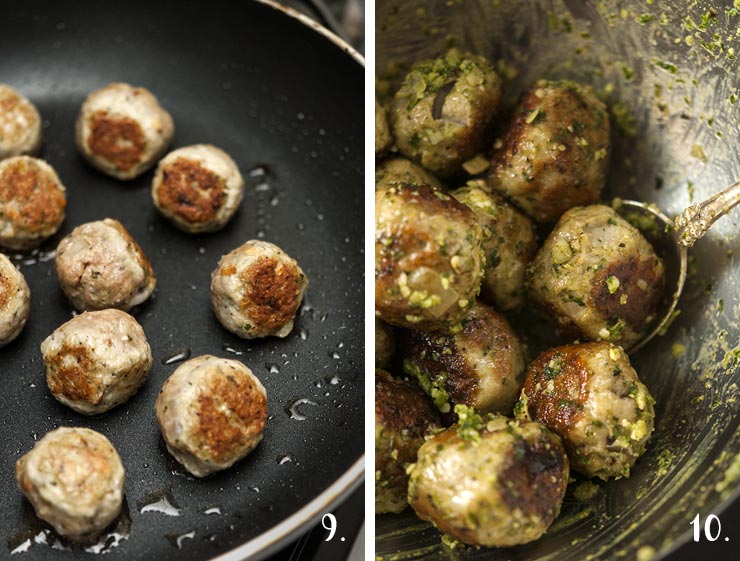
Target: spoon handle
<point x="696" y="220"/>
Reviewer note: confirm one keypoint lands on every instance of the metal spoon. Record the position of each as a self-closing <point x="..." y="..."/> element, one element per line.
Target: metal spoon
<point x="674" y="238"/>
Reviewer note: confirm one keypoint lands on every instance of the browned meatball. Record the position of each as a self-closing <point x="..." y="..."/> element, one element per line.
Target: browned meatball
<point x="556" y="152"/>
<point x="509" y="244"/>
<point x="397" y="171"/>
<point x="403" y="415"/>
<point x="428" y="257"/>
<point x="481" y="366"/>
<point x="385" y="343"/>
<point x="492" y="482"/>
<point x="590" y="396"/>
<point x="443" y="110"/>
<point x="598" y="277"/>
<point x="383" y="138"/>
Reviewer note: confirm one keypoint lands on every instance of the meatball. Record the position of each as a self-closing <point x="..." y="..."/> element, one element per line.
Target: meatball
<point x="198" y="188"/>
<point x="212" y="412"/>
<point x="101" y="266"/>
<point x="15" y="301"/>
<point x="122" y="130"/>
<point x="32" y="201"/>
<point x="428" y="257"/>
<point x="590" y="396"/>
<point x="385" y="343"/>
<point x="493" y="482"/>
<point x="256" y="290"/>
<point x="96" y="360"/>
<point x="20" y="124"/>
<point x="555" y="154"/>
<point x="444" y="109"/>
<point x="509" y="244"/>
<point x="598" y="277"/>
<point x="481" y="366"/>
<point x="403" y="416"/>
<point x="383" y="138"/>
<point x="73" y="478"/>
<point x="398" y="171"/>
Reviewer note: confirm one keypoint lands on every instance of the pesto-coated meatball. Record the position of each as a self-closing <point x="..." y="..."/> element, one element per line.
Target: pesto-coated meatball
<point x="481" y="366"/>
<point x="101" y="266"/>
<point x="445" y="107"/>
<point x="598" y="277"/>
<point x="15" y="301"/>
<point x="20" y="124"/>
<point x="590" y="396"/>
<point x="398" y="171"/>
<point x="493" y="482"/>
<point x="509" y="244"/>
<point x="382" y="133"/>
<point x="32" y="202"/>
<point x="123" y="130"/>
<point x="428" y="257"/>
<point x="555" y="154"/>
<point x="403" y="416"/>
<point x="385" y="343"/>
<point x="256" y="290"/>
<point x="73" y="478"/>
<point x="212" y="413"/>
<point x="96" y="361"/>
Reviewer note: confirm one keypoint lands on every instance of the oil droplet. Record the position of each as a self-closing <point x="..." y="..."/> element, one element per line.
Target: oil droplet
<point x="255" y="489"/>
<point x="202" y="250"/>
<point x="258" y="171"/>
<point x="334" y="355"/>
<point x="161" y="502"/>
<point x="212" y="510"/>
<point x="178" y="539"/>
<point x="179" y="356"/>
<point x="292" y="409"/>
<point x="333" y="380"/>
<point x="285" y="459"/>
<point x="272" y="368"/>
<point x="230" y="349"/>
<point x="303" y="333"/>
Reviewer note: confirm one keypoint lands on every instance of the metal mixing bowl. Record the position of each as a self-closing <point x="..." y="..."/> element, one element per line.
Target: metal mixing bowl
<point x="670" y="74"/>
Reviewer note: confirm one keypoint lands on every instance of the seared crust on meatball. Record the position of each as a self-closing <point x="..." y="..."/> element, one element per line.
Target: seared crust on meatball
<point x="101" y="266"/>
<point x="20" y="124"/>
<point x="590" y="396"/>
<point x="399" y="171"/>
<point x="492" y="482"/>
<point x="198" y="188"/>
<point x="382" y="133"/>
<point x="96" y="360"/>
<point x="598" y="277"/>
<point x="32" y="201"/>
<point x="445" y="107"/>
<point x="122" y="130"/>
<point x="15" y="301"/>
<point x="256" y="290"/>
<point x="73" y="478"/>
<point x="385" y="343"/>
<point x="555" y="154"/>
<point x="481" y="366"/>
<point x="212" y="413"/>
<point x="403" y="416"/>
<point x="509" y="244"/>
<point x="428" y="257"/>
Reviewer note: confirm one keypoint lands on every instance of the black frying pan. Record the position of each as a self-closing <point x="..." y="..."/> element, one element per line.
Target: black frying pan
<point x="282" y="99"/>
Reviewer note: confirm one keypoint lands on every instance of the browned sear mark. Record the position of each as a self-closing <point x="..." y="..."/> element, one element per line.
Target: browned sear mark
<point x="119" y="140"/>
<point x="71" y="377"/>
<point x="191" y="191"/>
<point x="271" y="295"/>
<point x="38" y="200"/>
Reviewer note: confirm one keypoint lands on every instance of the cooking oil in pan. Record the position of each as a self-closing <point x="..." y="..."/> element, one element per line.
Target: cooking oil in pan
<point x="179" y="356"/>
<point x="161" y="502"/>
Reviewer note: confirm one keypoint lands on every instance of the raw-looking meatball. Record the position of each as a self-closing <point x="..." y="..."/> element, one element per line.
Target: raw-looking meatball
<point x="32" y="201"/>
<point x="481" y="366"/>
<point x="398" y="171"/>
<point x="212" y="413"/>
<point x="428" y="257"/>
<point x="444" y="109"/>
<point x="73" y="478"/>
<point x="493" y="482"/>
<point x="590" y="396"/>
<point x="15" y="301"/>
<point x="382" y="134"/>
<point x="101" y="266"/>
<point x="256" y="290"/>
<point x="96" y="360"/>
<point x="555" y="154"/>
<point x="598" y="277"/>
<point x="403" y="416"/>
<point x="122" y="130"/>
<point x="20" y="124"/>
<point x="385" y="343"/>
<point x="198" y="188"/>
<point x="509" y="244"/>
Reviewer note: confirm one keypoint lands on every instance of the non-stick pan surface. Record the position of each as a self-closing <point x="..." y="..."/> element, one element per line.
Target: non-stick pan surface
<point x="286" y="103"/>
